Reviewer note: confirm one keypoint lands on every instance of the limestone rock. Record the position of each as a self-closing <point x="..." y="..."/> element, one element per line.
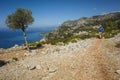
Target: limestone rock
<point x="52" y="69"/>
<point x="118" y="71"/>
<point x="38" y="67"/>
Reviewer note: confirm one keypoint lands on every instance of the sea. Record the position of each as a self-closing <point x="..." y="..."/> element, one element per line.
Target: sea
<point x="9" y="38"/>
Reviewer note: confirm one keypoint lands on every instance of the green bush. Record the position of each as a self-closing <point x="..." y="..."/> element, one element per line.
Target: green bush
<point x="43" y="42"/>
<point x="93" y="33"/>
<point x="39" y="45"/>
<point x="73" y="40"/>
<point x="85" y="36"/>
<point x="111" y="33"/>
<point x="15" y="59"/>
<point x="35" y="44"/>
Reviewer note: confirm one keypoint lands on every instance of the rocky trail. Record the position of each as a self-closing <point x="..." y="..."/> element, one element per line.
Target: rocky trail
<point x="91" y="59"/>
<point x="94" y="65"/>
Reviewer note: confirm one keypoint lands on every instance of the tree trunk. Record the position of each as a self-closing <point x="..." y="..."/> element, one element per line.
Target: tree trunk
<point x="26" y="42"/>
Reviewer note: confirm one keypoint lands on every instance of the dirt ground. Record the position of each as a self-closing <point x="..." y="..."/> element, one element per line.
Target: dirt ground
<point x="98" y="61"/>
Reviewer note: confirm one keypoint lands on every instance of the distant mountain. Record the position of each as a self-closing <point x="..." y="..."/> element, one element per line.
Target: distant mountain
<point x="110" y="21"/>
<point x="86" y="21"/>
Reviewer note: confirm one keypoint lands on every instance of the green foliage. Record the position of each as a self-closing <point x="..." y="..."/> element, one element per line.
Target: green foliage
<point x="93" y="33"/>
<point x="43" y="42"/>
<point x="111" y="33"/>
<point x="70" y="33"/>
<point x="32" y="44"/>
<point x="15" y="59"/>
<point x="35" y="44"/>
<point x="111" y="28"/>
<point x="39" y="45"/>
<point x="20" y="19"/>
<point x="77" y="30"/>
<point x="85" y="36"/>
<point x="66" y="40"/>
<point x="73" y="40"/>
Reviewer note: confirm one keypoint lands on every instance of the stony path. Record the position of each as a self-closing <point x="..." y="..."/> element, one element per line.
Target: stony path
<point x="84" y="60"/>
<point x="91" y="65"/>
<point x="94" y="65"/>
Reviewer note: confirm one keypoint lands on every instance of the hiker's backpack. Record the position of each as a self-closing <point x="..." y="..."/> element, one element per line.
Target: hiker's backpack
<point x="101" y="29"/>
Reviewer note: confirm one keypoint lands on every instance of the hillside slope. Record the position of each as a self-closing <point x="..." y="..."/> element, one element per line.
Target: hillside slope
<point x="82" y="28"/>
<point x="91" y="59"/>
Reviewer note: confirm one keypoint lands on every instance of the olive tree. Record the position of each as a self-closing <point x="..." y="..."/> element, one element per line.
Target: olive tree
<point x="20" y="19"/>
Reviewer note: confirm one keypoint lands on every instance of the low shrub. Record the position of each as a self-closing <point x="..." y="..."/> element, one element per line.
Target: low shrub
<point x="39" y="45"/>
<point x="85" y="36"/>
<point x="35" y="44"/>
<point x="15" y="59"/>
<point x="73" y="40"/>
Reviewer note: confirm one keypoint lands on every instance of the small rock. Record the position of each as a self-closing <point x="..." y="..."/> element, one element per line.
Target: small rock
<point x="38" y="67"/>
<point x="42" y="52"/>
<point x="31" y="67"/>
<point x="52" y="69"/>
<point x="1" y="50"/>
<point x="15" y="46"/>
<point x="26" y="54"/>
<point x="46" y="78"/>
<point x="117" y="71"/>
<point x="30" y="53"/>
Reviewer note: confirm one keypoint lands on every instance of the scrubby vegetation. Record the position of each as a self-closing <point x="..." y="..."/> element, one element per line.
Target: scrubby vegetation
<point x="35" y="44"/>
<point x="83" y="28"/>
<point x="15" y="59"/>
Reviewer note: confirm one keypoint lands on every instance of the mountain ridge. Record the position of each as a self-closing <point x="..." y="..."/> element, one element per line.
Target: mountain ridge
<point x="93" y="18"/>
<point x="110" y="22"/>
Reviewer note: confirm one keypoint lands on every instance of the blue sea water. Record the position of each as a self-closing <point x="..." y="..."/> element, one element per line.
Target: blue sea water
<point x="9" y="38"/>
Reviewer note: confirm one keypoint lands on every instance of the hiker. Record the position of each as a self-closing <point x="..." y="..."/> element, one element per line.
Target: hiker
<point x="101" y="30"/>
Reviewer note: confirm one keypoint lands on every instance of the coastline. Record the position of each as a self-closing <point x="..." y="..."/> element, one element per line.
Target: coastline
<point x="11" y="38"/>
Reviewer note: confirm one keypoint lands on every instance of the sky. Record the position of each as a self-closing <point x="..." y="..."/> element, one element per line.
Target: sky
<point x="49" y="13"/>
